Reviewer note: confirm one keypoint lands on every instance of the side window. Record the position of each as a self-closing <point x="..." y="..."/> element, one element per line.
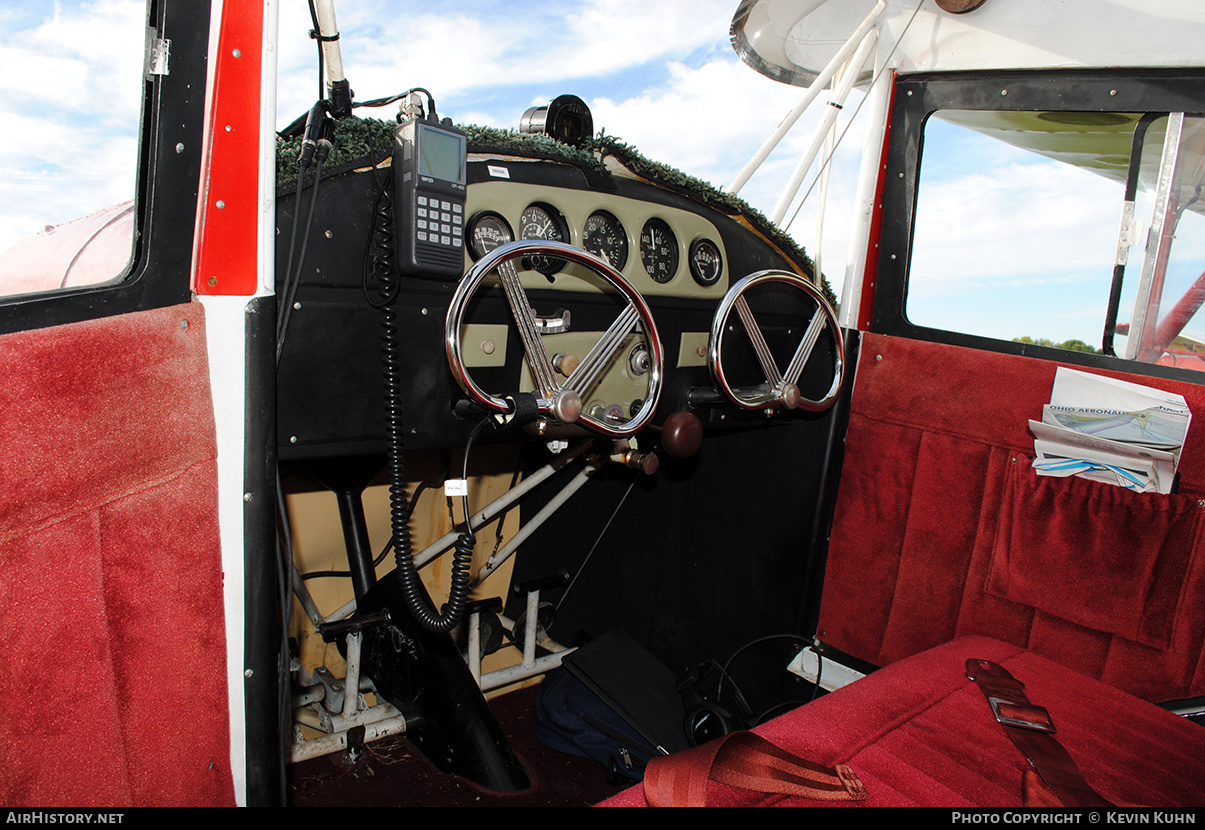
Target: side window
<point x="1165" y="268"/>
<point x="1027" y="224"/>
<point x="1016" y="223"/>
<point x="71" y="108"/>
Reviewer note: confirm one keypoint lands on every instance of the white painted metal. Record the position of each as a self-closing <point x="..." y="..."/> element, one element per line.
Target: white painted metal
<point x="331" y="53"/>
<point x="337" y="742"/>
<point x="817" y="86"/>
<point x="522" y="671"/>
<point x="533" y="524"/>
<point x="861" y="57"/>
<point x="789" y="38"/>
<point x="498" y="505"/>
<point x="530" y="666"/>
<point x="1146" y="306"/>
<point x="833" y="676"/>
<point x="351" y="683"/>
<point x="875" y="107"/>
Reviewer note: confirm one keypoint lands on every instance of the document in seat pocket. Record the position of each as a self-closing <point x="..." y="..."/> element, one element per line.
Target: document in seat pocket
<point x="1098" y="556"/>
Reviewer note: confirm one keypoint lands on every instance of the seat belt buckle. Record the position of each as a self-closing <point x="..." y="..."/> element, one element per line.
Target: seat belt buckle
<point x="1022" y="715"/>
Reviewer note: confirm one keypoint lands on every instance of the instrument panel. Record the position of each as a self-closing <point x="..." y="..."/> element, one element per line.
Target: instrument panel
<point x="662" y="250"/>
<point x="677" y="252"/>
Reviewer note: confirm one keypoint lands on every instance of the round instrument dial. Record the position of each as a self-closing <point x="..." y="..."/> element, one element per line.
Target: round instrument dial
<point x="706" y="264"/>
<point x="487" y="231"/>
<point x="659" y="250"/>
<point x="540" y="221"/>
<point x="605" y="237"/>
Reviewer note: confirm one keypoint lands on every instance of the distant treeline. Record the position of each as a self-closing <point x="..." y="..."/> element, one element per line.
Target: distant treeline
<point x="1069" y="345"/>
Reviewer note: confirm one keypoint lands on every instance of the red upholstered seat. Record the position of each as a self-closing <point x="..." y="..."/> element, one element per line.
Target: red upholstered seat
<point x="919" y="733"/>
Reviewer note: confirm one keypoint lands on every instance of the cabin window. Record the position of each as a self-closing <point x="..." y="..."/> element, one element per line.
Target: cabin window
<point x="71" y="108"/>
<point x="1016" y="231"/>
<point x="1165" y="266"/>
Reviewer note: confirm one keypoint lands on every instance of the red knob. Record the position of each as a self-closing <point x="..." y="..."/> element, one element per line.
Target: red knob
<point x="682" y="434"/>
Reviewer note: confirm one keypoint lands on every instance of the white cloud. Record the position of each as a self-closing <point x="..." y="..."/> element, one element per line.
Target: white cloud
<point x="706" y="118"/>
<point x="670" y="85"/>
<point x="710" y="121"/>
<point x="1038" y="222"/>
<point x="474" y="46"/>
<point x="70" y="111"/>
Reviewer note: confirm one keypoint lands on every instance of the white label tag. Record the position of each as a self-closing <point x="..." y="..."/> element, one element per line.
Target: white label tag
<point x="456" y="487"/>
<point x="498" y="172"/>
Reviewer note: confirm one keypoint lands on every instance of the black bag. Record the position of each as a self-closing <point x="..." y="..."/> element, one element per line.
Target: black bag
<point x="572" y="719"/>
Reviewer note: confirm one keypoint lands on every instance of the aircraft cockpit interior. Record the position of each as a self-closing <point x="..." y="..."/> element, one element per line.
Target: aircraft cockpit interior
<point x="409" y="451"/>
<point x="514" y="317"/>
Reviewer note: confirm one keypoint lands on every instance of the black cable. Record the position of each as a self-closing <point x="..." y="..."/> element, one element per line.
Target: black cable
<point x="423" y="485"/>
<point x="477" y="430"/>
<point x="292" y="250"/>
<point x="514" y="480"/>
<point x="772" y="712"/>
<point x="738" y="694"/>
<point x="316" y="35"/>
<point x="292" y="280"/>
<point x="284" y="672"/>
<point x="321" y="148"/>
<point x="819" y="672"/>
<point x="392" y="99"/>
<point x="597" y="540"/>
<point x="380" y="254"/>
<point x="413" y="592"/>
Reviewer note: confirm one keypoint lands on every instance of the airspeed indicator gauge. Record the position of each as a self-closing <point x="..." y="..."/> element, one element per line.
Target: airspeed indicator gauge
<point x="605" y="237"/>
<point x="706" y="264"/>
<point x="659" y="250"/>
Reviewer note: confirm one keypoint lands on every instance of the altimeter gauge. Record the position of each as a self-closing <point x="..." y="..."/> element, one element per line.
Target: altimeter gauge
<point x="541" y="221"/>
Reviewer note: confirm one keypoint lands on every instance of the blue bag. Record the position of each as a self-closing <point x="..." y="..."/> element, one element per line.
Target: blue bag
<point x="572" y="719"/>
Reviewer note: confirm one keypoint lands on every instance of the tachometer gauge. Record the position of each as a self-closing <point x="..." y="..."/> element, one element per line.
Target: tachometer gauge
<point x="487" y="231"/>
<point x="605" y="237"/>
<point x="706" y="264"/>
<point x="659" y="250"/>
<point x="540" y="221"/>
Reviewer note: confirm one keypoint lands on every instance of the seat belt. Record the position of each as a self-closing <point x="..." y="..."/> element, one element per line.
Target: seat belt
<point x="749" y="761"/>
<point x="1031" y="730"/>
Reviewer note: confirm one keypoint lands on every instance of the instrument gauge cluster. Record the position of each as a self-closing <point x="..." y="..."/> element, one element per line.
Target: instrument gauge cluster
<point x="661" y="248"/>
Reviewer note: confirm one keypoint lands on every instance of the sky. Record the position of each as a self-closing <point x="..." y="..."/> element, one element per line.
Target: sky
<point x="671" y="85"/>
<point x="659" y="75"/>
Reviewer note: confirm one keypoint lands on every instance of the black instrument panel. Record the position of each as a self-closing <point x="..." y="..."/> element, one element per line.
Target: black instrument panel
<point x="680" y="254"/>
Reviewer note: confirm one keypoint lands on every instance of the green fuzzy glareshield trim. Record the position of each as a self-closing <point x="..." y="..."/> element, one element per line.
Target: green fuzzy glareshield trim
<point x="358" y="139"/>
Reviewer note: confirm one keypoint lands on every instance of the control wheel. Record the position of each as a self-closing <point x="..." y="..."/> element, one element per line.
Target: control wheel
<point x="560" y="400"/>
<point x="777" y="389"/>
